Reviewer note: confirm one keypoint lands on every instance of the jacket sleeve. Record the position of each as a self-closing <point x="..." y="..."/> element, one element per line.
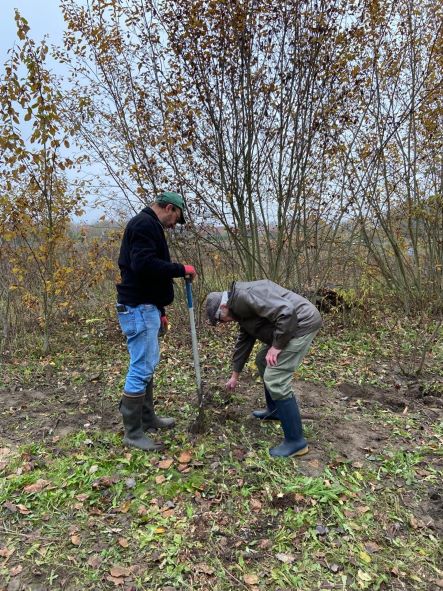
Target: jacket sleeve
<point x="243" y="347"/>
<point x="143" y="254"/>
<point x="277" y="310"/>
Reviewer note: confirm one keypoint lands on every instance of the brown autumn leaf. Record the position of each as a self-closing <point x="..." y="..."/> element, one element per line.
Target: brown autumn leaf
<point x="160" y="479"/>
<point x="202" y="567"/>
<point x="123" y="542"/>
<point x="6" y="552"/>
<point x="82" y="497"/>
<point x="115" y="580"/>
<point x="372" y="547"/>
<point x="38" y="486"/>
<point x="362" y="509"/>
<point x="168" y="513"/>
<point x="16" y="570"/>
<point x="185" y="457"/>
<point x="75" y="539"/>
<point x="256" y="505"/>
<point x="184" y="468"/>
<point x="165" y="464"/>
<point x="95" y="561"/>
<point x="118" y="571"/>
<point x="251" y="579"/>
<point x="23" y="509"/>
<point x="285" y="558"/>
<point x="5" y="452"/>
<point x="124" y="507"/>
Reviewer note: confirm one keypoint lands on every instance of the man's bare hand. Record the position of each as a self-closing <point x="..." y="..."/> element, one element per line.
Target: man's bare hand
<point x="272" y="356"/>
<point x="231" y="384"/>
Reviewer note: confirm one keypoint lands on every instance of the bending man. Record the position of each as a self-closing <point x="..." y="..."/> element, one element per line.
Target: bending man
<point x="286" y="323"/>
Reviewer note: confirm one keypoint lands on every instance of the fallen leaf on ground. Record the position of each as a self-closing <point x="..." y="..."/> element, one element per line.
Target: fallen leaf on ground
<point x="185" y="457"/>
<point x="6" y="552"/>
<point x="75" y="539"/>
<point x="123" y="542"/>
<point x="23" y="509"/>
<point x="184" y="468"/>
<point x="168" y="513"/>
<point x="372" y="547"/>
<point x="120" y="571"/>
<point x="165" y="464"/>
<point x="285" y="558"/>
<point x="124" y="507"/>
<point x="82" y="497"/>
<point x="16" y="570"/>
<point x="204" y="568"/>
<point x="251" y="579"/>
<point x="256" y="505"/>
<point x="159" y="479"/>
<point x="37" y="486"/>
<point x="365" y="557"/>
<point x="115" y="580"/>
<point x="95" y="561"/>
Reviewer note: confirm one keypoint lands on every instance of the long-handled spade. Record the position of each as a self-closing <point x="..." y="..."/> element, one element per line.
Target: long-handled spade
<point x="197" y="426"/>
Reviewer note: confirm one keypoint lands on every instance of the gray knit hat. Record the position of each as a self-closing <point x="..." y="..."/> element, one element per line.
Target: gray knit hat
<point x="213" y="302"/>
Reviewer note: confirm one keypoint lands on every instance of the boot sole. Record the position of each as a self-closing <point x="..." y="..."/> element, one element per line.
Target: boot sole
<point x="155" y="447"/>
<point x="295" y="454"/>
<point x="300" y="452"/>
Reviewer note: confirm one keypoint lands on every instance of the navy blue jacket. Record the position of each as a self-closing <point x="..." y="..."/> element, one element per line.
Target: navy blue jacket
<point x="145" y="264"/>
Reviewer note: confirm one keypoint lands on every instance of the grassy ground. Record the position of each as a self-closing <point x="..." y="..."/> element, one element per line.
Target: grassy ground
<point x="363" y="510"/>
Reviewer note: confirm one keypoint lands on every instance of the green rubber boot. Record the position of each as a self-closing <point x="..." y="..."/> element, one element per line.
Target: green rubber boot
<point x="131" y="410"/>
<point x="294" y="443"/>
<point x="150" y="421"/>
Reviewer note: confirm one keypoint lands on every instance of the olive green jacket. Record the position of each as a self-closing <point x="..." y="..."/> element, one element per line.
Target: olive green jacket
<point x="270" y="313"/>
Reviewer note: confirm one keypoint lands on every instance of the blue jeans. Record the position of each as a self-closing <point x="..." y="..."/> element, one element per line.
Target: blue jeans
<point x="140" y="325"/>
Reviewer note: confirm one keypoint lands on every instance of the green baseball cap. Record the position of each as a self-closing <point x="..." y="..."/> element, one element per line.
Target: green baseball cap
<point x="173" y="199"/>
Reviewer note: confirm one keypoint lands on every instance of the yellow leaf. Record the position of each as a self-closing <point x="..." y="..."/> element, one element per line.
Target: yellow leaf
<point x="363" y="576"/>
<point x="365" y="557"/>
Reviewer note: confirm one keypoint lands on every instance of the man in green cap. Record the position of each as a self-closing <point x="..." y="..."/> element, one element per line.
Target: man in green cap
<point x="146" y="287"/>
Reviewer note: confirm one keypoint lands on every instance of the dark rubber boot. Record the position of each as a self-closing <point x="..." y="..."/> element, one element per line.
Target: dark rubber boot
<point x="131" y="410"/>
<point x="150" y="421"/>
<point x="270" y="412"/>
<point x="294" y="444"/>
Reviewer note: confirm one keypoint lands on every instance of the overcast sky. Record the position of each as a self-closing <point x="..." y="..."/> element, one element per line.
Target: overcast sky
<point x="43" y="16"/>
